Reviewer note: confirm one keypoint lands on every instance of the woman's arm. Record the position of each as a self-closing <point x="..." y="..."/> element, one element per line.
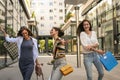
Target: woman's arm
<point x="96" y="43"/>
<point x="37" y="62"/>
<point x="98" y="51"/>
<point x="7" y="38"/>
<point x="5" y="34"/>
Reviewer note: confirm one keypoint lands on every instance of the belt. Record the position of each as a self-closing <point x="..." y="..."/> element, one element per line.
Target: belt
<point x="60" y="55"/>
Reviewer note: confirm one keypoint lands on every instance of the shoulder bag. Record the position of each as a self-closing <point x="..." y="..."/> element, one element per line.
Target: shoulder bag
<point x="67" y="69"/>
<point x="11" y="49"/>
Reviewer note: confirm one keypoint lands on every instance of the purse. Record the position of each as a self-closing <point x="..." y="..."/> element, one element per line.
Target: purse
<point x="38" y="71"/>
<point x="108" y="60"/>
<point x="67" y="69"/>
<point x="11" y="49"/>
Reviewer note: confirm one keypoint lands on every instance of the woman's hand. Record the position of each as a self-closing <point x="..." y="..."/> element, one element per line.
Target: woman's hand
<point x="88" y="47"/>
<point x="1" y="29"/>
<point x="95" y="45"/>
<point x="38" y="70"/>
<point x="98" y="51"/>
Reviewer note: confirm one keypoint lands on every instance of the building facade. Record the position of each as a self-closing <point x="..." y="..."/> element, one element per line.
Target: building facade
<point x="49" y="13"/>
<point x="105" y="18"/>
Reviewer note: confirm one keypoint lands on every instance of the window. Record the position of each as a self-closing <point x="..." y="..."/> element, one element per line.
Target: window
<point x="50" y="10"/>
<point x="51" y="17"/>
<point x="61" y="10"/>
<point x="51" y="4"/>
<point x="42" y="18"/>
<point x="55" y="9"/>
<point x="61" y="18"/>
<point x="41" y="3"/>
<point x="41" y="25"/>
<point x="55" y="2"/>
<point x="60" y="4"/>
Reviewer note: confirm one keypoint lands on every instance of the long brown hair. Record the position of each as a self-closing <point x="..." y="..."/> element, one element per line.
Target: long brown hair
<point x="24" y="28"/>
<point x="60" y="32"/>
<point x="81" y="28"/>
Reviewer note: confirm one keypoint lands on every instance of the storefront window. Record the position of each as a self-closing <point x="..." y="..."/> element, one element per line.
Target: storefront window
<point x="117" y="10"/>
<point x="94" y="24"/>
<point x="118" y="36"/>
<point x="108" y="30"/>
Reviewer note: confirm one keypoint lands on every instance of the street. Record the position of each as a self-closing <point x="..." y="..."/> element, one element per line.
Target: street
<point x="12" y="72"/>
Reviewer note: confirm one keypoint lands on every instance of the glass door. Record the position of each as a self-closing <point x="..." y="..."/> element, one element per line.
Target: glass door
<point x="118" y="35"/>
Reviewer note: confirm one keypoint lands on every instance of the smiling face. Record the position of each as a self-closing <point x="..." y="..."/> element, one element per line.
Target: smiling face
<point x="53" y="32"/>
<point x="86" y="26"/>
<point x="25" y="34"/>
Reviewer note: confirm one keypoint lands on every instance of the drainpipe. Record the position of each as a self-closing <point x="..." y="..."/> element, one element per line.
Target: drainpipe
<point x="5" y="64"/>
<point x="78" y="39"/>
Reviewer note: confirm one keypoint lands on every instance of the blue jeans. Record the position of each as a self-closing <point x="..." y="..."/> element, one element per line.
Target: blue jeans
<point x="56" y="74"/>
<point x="88" y="60"/>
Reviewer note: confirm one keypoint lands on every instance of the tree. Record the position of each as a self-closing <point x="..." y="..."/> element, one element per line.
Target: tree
<point x="10" y="31"/>
<point x="42" y="45"/>
<point x="68" y="16"/>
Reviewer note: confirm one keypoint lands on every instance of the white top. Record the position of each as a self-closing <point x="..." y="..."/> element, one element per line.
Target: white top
<point x="88" y="40"/>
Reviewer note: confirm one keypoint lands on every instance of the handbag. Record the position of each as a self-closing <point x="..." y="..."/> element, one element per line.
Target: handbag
<point x="108" y="60"/>
<point x="38" y="71"/>
<point x="11" y="49"/>
<point x="67" y="69"/>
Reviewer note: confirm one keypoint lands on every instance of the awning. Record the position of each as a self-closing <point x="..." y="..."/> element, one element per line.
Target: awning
<point x="89" y="5"/>
<point x="75" y="2"/>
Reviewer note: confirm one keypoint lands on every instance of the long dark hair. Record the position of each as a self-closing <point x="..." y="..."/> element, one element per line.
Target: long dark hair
<point x="60" y="32"/>
<point x="81" y="28"/>
<point x="24" y="28"/>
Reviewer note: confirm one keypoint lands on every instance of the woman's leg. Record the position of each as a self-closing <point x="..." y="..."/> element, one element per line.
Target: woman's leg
<point x="26" y="71"/>
<point x="56" y="74"/>
<point x="88" y="65"/>
<point x="99" y="67"/>
<point x="29" y="72"/>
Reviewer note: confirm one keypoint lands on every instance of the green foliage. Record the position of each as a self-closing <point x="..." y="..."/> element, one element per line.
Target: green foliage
<point x="42" y="44"/>
<point x="10" y="31"/>
<point x="50" y="44"/>
<point x="2" y="49"/>
<point x="1" y="21"/>
<point x="68" y="16"/>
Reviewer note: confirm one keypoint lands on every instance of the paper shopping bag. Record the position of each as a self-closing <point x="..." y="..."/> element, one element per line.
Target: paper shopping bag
<point x="108" y="60"/>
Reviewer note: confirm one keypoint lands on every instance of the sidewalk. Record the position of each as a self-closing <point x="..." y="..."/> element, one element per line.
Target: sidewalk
<point x="12" y="72"/>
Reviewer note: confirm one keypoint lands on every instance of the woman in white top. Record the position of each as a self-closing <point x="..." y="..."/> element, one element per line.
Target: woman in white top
<point x="89" y="43"/>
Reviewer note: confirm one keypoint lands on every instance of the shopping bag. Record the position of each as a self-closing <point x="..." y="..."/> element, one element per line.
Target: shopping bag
<point x="108" y="60"/>
<point x="11" y="49"/>
<point x="67" y="69"/>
